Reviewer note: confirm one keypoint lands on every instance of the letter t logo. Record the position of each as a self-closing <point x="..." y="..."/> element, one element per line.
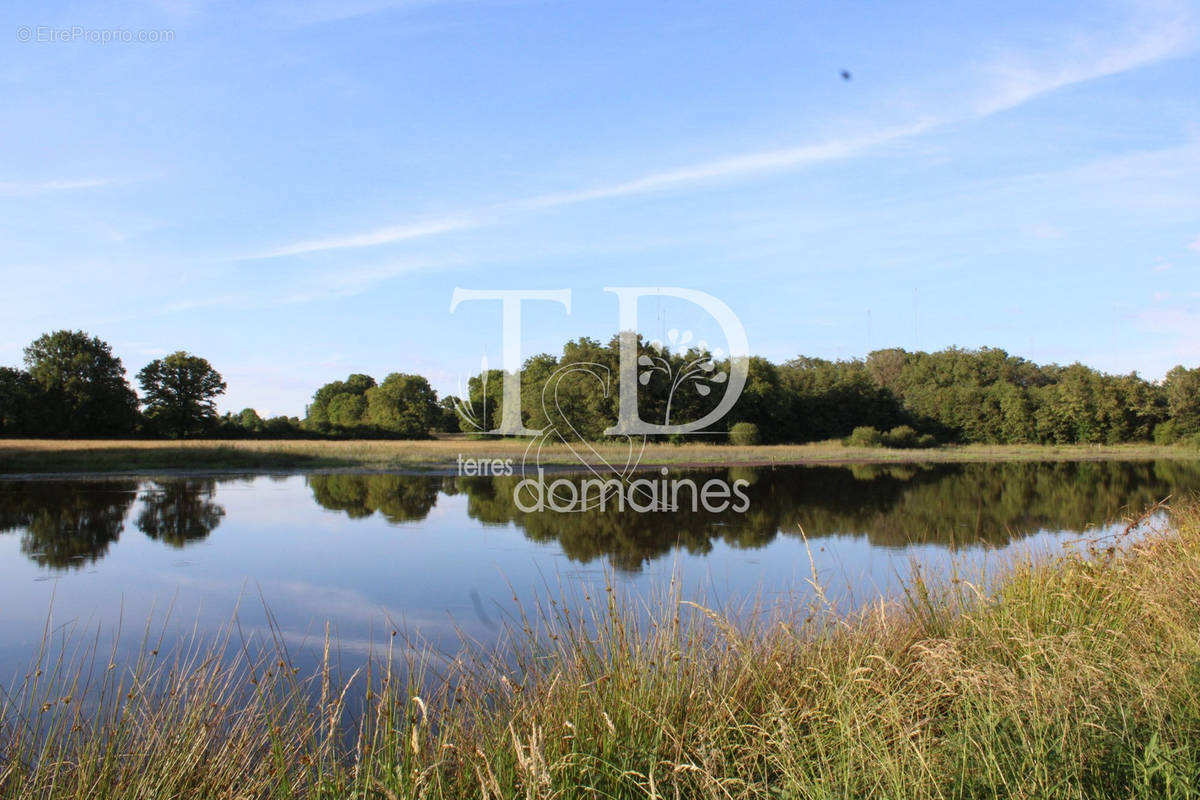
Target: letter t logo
<point x="510" y="408"/>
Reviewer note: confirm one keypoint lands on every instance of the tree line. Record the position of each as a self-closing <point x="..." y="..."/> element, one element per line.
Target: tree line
<point x="891" y="397"/>
<point x="72" y="385"/>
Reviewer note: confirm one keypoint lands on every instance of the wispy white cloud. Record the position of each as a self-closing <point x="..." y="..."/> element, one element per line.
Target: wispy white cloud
<point x="1010" y="80"/>
<point x="25" y="188"/>
<point x="728" y="168"/>
<point x="1016" y="79"/>
<point x="744" y="165"/>
<point x="378" y="236"/>
<point x="1195" y="245"/>
<point x="322" y="284"/>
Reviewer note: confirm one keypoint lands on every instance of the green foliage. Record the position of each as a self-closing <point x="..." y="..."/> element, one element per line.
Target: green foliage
<point x="80" y="385"/>
<point x="1167" y="432"/>
<point x="447" y="417"/>
<point x="250" y="420"/>
<point x="74" y="386"/>
<point x="180" y="393"/>
<point x="340" y="404"/>
<point x="404" y="405"/>
<point x="743" y="434"/>
<point x="764" y="401"/>
<point x="864" y="436"/>
<point x="988" y="396"/>
<point x="247" y="424"/>
<point x="19" y="406"/>
<point x="281" y="427"/>
<point x="1182" y="389"/>
<point x="580" y="399"/>
<point x="829" y="399"/>
<point x="576" y="394"/>
<point x="485" y="393"/>
<point x="902" y="436"/>
<point x="347" y="410"/>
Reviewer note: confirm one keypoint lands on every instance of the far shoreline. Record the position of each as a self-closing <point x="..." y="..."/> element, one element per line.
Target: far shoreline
<point x="82" y="458"/>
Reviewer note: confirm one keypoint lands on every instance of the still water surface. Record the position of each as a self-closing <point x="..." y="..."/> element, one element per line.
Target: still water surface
<point x="440" y="557"/>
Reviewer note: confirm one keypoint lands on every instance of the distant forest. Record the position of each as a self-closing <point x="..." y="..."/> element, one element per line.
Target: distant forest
<point x="73" y="386"/>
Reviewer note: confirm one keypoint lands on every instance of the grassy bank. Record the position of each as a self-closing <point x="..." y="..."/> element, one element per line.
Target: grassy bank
<point x="1074" y="678"/>
<point x="20" y="456"/>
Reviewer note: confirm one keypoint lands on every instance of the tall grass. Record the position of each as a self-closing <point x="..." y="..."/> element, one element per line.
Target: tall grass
<point x="1077" y="677"/>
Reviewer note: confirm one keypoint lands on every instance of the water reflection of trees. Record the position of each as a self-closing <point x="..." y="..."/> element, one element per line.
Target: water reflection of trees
<point x="399" y="498"/>
<point x="985" y="503"/>
<point x="69" y="524"/>
<point x="180" y="512"/>
<point x="66" y="524"/>
<point x="891" y="505"/>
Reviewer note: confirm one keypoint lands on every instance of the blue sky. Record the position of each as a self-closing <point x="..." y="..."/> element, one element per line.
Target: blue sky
<point x="293" y="190"/>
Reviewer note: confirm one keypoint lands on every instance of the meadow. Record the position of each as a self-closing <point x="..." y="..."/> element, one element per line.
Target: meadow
<point x="20" y="456"/>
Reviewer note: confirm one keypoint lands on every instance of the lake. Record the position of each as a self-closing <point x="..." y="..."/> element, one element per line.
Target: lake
<point x="441" y="557"/>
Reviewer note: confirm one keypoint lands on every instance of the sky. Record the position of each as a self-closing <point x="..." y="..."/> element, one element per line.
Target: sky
<point x="294" y="190"/>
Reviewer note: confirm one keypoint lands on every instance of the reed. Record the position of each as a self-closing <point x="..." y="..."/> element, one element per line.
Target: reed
<point x="1077" y="676"/>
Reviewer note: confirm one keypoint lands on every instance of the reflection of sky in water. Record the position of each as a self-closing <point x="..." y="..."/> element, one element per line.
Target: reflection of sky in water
<point x="427" y="576"/>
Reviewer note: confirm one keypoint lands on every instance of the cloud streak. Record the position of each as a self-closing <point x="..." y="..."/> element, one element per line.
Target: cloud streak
<point x="1012" y="81"/>
<point x="1020" y="79"/>
<point x="385" y="235"/>
<point x="729" y="168"/>
<point x="768" y="161"/>
<point x="27" y="188"/>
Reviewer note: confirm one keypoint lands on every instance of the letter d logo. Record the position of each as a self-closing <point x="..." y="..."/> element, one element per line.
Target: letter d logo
<point x="629" y="422"/>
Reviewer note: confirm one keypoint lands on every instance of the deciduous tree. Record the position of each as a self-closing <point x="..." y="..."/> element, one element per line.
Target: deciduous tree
<point x="83" y="386"/>
<point x="180" y="393"/>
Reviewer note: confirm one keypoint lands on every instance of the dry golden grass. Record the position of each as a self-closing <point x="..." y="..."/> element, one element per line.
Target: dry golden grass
<point x="55" y="455"/>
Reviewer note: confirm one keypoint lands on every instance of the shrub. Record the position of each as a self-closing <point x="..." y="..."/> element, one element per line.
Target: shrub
<point x="864" y="436"/>
<point x="1166" y="432"/>
<point x="743" y="433"/>
<point x="900" y="436"/>
<point x="926" y="440"/>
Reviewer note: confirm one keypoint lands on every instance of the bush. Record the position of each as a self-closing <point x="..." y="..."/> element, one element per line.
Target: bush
<point x="1166" y="432"/>
<point x="901" y="436"/>
<point x="864" y="436"/>
<point x="927" y="440"/>
<point x="743" y="434"/>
